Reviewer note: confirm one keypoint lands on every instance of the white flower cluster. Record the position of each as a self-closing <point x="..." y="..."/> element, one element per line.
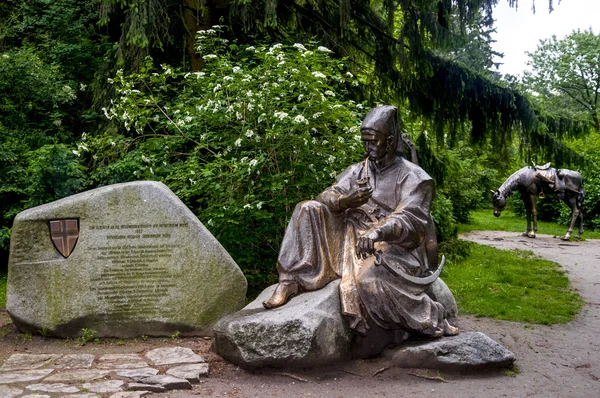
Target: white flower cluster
<point x="281" y="115"/>
<point x="300" y="119"/>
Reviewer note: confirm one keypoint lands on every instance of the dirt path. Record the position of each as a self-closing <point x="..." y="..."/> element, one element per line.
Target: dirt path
<point x="554" y="361"/>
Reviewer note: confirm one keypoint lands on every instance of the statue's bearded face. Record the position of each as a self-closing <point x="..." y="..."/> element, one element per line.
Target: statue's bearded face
<point x="376" y="144"/>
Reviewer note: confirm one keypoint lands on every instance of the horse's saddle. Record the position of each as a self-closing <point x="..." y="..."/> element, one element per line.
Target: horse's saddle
<point x="559" y="179"/>
<point x="549" y="175"/>
<point x="544" y="167"/>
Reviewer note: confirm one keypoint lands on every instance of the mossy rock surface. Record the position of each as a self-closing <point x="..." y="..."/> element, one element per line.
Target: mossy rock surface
<point x="143" y="264"/>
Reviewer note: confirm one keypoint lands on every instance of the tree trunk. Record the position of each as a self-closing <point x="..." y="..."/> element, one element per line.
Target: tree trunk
<point x="195" y="17"/>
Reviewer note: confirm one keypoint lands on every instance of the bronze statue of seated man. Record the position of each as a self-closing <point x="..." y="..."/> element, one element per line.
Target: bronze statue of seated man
<point x="376" y="208"/>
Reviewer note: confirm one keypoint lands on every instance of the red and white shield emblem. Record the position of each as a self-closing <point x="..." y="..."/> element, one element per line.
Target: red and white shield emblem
<point x="64" y="234"/>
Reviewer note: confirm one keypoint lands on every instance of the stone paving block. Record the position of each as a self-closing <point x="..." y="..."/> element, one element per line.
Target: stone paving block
<point x="52" y="387"/>
<point x="10" y="392"/>
<point x="169" y="382"/>
<point x="173" y="355"/>
<point x="130" y="394"/>
<point x="35" y="396"/>
<point x="105" y="386"/>
<point x="192" y="372"/>
<point x="84" y="395"/>
<point x="24" y="375"/>
<point x="74" y="361"/>
<point x="137" y="373"/>
<point x="146" y="387"/>
<point x="121" y="361"/>
<point x="28" y="361"/>
<point x="77" y="375"/>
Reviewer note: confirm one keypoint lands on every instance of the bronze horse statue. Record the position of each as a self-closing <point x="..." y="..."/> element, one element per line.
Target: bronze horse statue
<point x="535" y="181"/>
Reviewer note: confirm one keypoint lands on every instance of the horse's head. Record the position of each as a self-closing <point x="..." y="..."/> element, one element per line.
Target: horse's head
<point x="499" y="202"/>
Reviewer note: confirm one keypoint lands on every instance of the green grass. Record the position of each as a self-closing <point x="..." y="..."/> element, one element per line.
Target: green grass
<point x="2" y="290"/>
<point x="484" y="220"/>
<point x="511" y="285"/>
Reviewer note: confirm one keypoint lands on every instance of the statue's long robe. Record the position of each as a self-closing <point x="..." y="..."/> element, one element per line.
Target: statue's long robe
<point x="320" y="245"/>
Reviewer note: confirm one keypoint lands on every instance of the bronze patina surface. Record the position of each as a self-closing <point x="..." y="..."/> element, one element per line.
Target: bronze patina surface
<point x="64" y="234"/>
<point x="377" y="212"/>
<point x="534" y="182"/>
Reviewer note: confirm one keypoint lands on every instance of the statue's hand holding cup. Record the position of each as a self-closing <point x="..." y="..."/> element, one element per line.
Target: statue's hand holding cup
<point x="357" y="197"/>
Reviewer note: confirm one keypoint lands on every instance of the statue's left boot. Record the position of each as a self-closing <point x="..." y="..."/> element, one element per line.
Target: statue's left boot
<point x="445" y="329"/>
<point x="449" y="330"/>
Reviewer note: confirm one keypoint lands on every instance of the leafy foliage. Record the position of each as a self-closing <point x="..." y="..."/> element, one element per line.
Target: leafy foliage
<point x="565" y="75"/>
<point x="32" y="106"/>
<point x="258" y="130"/>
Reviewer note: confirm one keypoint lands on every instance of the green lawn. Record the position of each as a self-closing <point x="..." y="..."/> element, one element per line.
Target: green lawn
<point x="484" y="220"/>
<point x="511" y="285"/>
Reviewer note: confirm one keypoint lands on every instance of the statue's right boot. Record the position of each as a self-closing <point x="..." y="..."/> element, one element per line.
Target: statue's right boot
<point x="283" y="292"/>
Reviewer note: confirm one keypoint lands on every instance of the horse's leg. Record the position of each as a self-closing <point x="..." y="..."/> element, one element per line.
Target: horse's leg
<point x="527" y="203"/>
<point x="572" y="203"/>
<point x="580" y="223"/>
<point x="533" y="199"/>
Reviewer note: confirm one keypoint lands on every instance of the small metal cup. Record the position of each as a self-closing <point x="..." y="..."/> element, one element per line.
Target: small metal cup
<point x="363" y="182"/>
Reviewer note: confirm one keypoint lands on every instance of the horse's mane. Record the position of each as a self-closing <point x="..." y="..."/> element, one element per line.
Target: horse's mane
<point x="512" y="182"/>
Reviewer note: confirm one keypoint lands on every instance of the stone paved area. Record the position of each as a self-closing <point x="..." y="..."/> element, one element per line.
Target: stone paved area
<point x="109" y="375"/>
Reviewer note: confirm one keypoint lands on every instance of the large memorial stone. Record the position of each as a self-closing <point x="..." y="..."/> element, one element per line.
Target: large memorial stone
<point x="124" y="260"/>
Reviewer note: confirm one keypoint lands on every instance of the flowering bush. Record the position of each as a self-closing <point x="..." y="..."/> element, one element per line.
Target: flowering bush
<point x="259" y="129"/>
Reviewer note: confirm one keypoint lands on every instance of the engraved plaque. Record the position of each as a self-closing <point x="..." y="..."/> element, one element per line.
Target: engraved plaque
<point x="64" y="234"/>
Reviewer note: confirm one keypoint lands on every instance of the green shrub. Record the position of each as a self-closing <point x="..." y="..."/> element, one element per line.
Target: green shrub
<point x="258" y="130"/>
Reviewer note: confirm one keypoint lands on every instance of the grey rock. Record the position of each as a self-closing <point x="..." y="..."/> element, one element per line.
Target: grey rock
<point x="376" y="340"/>
<point x="74" y="361"/>
<point x="28" y="361"/>
<point x="146" y="387"/>
<point x="104" y="386"/>
<point x="137" y="373"/>
<point x="466" y="350"/>
<point x="173" y="355"/>
<point x="10" y="392"/>
<point x="24" y="375"/>
<point x="192" y="372"/>
<point x="308" y="331"/>
<point x="77" y="375"/>
<point x="52" y="387"/>
<point x="143" y="265"/>
<point x="121" y="361"/>
<point x="168" y="382"/>
<point x="36" y="396"/>
<point x="130" y="394"/>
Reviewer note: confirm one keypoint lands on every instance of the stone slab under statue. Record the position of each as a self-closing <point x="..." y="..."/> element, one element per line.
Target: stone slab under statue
<point x="372" y="233"/>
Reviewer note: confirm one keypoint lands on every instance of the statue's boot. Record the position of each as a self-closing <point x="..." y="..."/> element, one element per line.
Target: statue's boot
<point x="445" y="329"/>
<point x="283" y="292"/>
<point x="449" y="330"/>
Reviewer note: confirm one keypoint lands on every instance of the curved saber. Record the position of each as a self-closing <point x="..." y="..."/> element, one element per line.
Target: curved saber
<point x="428" y="280"/>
